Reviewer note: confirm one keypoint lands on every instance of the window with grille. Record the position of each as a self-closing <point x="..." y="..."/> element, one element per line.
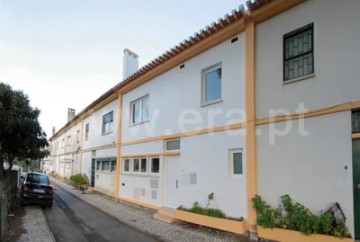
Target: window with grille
<point x="299" y="53"/>
<point x="355" y="121"/>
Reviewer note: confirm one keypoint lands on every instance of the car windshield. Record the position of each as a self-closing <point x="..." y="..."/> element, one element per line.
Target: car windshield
<point x="37" y="178"/>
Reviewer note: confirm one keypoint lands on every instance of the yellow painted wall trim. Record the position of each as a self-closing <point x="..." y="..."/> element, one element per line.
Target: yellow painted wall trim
<point x="118" y="148"/>
<point x="100" y="147"/>
<point x="313" y="113"/>
<point x="174" y="153"/>
<point x="217" y="223"/>
<point x="286" y="235"/>
<point x="250" y="124"/>
<point x="187" y="134"/>
<point x="355" y="136"/>
<point x="224" y="34"/>
<point x="273" y="8"/>
<point x="136" y="202"/>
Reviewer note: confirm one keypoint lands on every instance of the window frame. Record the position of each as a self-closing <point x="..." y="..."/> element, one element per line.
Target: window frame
<point x="123" y="166"/>
<point x="68" y="141"/>
<point x="231" y="162"/>
<point x="87" y="129"/>
<point x="111" y="123"/>
<point x="204" y="73"/>
<point x="285" y="60"/>
<point x="151" y="166"/>
<point x="172" y="140"/>
<point x="132" y="110"/>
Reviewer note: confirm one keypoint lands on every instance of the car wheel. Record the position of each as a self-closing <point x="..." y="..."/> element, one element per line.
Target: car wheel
<point x="50" y="205"/>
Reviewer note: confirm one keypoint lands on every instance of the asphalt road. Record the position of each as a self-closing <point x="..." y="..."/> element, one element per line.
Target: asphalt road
<point x="70" y="219"/>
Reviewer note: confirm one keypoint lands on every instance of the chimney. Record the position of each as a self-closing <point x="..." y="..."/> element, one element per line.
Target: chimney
<point x="71" y="114"/>
<point x="130" y="63"/>
<point x="53" y="131"/>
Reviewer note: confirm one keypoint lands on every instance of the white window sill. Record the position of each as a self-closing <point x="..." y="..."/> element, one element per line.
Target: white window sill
<point x="211" y="103"/>
<point x="300" y="78"/>
<point x="144" y="175"/>
<point x="107" y="133"/>
<point x="135" y="124"/>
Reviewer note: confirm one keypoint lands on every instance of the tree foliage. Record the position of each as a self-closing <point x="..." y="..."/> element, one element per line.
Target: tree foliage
<point x="21" y="136"/>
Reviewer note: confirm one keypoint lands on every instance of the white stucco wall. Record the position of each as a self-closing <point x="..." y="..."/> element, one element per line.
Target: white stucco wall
<point x="96" y="138"/>
<point x="311" y="169"/>
<point x="105" y="181"/>
<point x="208" y="157"/>
<point x="143" y="148"/>
<point x="177" y="92"/>
<point x="336" y="55"/>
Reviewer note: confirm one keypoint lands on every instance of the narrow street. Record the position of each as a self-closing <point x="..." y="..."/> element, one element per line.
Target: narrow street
<point x="71" y="219"/>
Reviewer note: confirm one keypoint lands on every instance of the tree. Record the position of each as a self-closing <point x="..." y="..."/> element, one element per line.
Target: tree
<point x="21" y="135"/>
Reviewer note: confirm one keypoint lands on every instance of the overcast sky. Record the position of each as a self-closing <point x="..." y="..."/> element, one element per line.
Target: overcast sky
<point x="66" y="53"/>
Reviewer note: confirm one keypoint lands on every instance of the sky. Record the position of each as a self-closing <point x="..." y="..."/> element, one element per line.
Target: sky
<point x="66" y="53"/>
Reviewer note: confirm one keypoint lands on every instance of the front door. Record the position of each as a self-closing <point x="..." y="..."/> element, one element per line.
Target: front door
<point x="173" y="170"/>
<point x="356" y="182"/>
<point x="93" y="167"/>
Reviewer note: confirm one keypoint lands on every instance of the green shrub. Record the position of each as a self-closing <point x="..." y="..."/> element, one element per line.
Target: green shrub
<point x="296" y="216"/>
<point x="79" y="179"/>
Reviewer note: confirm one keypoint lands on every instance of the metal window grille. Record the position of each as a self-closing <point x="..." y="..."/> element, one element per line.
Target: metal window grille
<point x="299" y="53"/>
<point x="355" y="121"/>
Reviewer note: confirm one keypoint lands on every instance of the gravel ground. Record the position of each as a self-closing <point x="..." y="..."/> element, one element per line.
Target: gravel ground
<point x="142" y="220"/>
<point x="35" y="225"/>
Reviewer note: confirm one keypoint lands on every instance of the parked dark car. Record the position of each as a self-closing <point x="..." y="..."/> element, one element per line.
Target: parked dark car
<point x="36" y="188"/>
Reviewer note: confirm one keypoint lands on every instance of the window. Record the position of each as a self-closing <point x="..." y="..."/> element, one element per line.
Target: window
<point x="113" y="165"/>
<point x="87" y="131"/>
<point x="126" y="165"/>
<point x="68" y="141"/>
<point x="355" y="121"/>
<point x="172" y="145"/>
<point x="107" y="123"/>
<point x="136" y="165"/>
<point x="140" y="110"/>
<point x="143" y="165"/>
<point x="98" y="165"/>
<point x="211" y="85"/>
<point x="105" y="165"/>
<point x="155" y="165"/>
<point x="299" y="53"/>
<point x="236" y="162"/>
<point x="62" y="143"/>
<point x="78" y="136"/>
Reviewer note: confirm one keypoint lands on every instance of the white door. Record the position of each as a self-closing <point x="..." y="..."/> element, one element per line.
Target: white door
<point x="172" y="182"/>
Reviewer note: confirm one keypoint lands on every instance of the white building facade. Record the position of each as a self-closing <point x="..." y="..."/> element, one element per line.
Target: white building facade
<point x="261" y="102"/>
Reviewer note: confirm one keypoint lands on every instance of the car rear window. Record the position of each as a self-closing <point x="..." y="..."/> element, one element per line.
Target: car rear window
<point x="37" y="178"/>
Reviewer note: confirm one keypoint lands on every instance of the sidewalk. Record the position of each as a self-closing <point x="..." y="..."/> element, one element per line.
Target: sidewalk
<point x="142" y="220"/>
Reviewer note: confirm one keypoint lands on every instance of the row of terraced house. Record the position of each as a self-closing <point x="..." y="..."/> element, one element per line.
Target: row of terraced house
<point x="263" y="101"/>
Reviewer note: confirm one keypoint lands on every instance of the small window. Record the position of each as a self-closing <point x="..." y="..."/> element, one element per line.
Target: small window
<point x="62" y="143"/>
<point x="172" y="145"/>
<point x="299" y="53"/>
<point x="108" y="125"/>
<point x="126" y="165"/>
<point x="105" y="165"/>
<point x="143" y="165"/>
<point x="211" y="85"/>
<point x="155" y="165"/>
<point x="136" y="165"/>
<point x="68" y="141"/>
<point x="87" y="131"/>
<point x="113" y="165"/>
<point x="355" y="121"/>
<point x="236" y="162"/>
<point x="78" y="136"/>
<point x="140" y="110"/>
<point x="98" y="165"/>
